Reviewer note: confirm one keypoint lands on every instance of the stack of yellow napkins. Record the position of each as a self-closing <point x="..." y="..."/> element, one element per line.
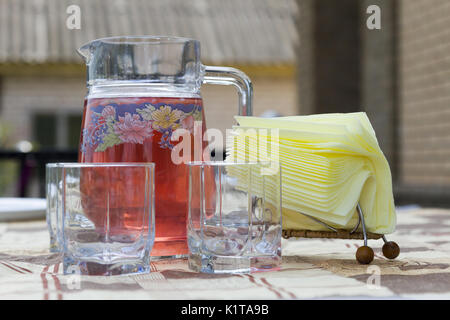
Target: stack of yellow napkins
<point x="330" y="163"/>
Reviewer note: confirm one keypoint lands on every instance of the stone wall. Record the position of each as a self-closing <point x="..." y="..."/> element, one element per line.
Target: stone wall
<point x="424" y="93"/>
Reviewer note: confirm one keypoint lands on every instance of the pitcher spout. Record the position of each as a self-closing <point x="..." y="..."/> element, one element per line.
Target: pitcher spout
<point x="85" y="51"/>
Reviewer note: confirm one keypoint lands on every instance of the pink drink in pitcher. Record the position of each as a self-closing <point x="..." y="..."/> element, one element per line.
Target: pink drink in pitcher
<point x="139" y="130"/>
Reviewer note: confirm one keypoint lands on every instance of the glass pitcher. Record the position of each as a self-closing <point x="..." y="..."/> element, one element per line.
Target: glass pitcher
<point x="140" y="90"/>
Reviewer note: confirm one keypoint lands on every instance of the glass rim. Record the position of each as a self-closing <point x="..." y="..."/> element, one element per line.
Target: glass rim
<point x="226" y="163"/>
<point x="141" y="40"/>
<point x="100" y="164"/>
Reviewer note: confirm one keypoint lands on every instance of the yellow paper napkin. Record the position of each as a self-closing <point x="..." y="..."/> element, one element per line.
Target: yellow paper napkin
<point x="330" y="163"/>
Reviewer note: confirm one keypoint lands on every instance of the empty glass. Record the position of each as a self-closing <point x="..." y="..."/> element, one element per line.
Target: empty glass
<point x="53" y="174"/>
<point x="108" y="217"/>
<point x="234" y="219"/>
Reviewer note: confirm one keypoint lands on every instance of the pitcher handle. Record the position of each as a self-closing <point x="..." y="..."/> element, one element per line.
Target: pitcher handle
<point x="232" y="76"/>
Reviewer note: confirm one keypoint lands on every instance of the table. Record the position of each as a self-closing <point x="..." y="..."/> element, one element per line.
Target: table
<point x="312" y="268"/>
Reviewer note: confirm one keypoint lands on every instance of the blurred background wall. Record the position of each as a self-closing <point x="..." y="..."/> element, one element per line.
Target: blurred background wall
<point x="43" y="79"/>
<point x="399" y="75"/>
<point x="304" y="56"/>
<point x="424" y="100"/>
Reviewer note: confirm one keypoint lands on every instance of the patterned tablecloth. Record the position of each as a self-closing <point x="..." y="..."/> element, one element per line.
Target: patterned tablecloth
<point x="312" y="268"/>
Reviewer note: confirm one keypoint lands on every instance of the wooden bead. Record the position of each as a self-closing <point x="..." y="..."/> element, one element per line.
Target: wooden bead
<point x="391" y="250"/>
<point x="364" y="255"/>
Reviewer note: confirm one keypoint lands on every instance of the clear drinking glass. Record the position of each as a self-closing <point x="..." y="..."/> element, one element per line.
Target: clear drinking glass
<point x="234" y="219"/>
<point x="53" y="175"/>
<point x="118" y="239"/>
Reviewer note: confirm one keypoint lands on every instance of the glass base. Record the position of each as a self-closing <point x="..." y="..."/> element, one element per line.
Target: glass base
<point x="177" y="256"/>
<point x="54" y="245"/>
<point x="54" y="248"/>
<point x="169" y="249"/>
<point x="72" y="266"/>
<point x="233" y="264"/>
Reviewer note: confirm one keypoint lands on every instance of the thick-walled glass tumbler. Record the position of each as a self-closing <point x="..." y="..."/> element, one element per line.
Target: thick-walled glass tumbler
<point x="234" y="222"/>
<point x="120" y="238"/>
<point x="53" y="175"/>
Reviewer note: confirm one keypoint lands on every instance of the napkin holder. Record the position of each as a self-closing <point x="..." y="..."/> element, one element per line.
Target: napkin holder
<point x="364" y="254"/>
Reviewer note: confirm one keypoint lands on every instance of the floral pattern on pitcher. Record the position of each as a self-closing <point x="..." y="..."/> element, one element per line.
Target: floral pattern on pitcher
<point x="114" y="124"/>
